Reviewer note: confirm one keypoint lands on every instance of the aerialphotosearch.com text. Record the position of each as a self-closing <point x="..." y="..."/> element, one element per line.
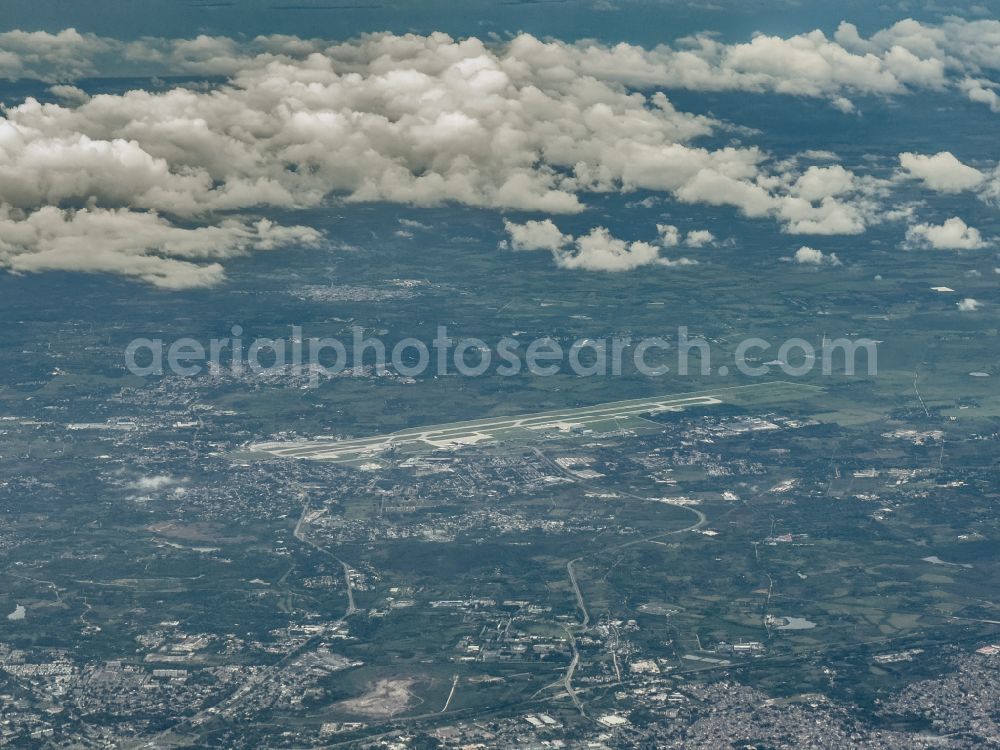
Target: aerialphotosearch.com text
<point x="319" y="358"/>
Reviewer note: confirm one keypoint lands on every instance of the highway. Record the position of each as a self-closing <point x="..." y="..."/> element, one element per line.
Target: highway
<point x="301" y="536"/>
<point x="454" y="684"/>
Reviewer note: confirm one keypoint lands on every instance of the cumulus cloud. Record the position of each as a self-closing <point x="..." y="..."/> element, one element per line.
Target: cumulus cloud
<point x="954" y="234"/>
<point x="923" y="55"/>
<point x="941" y="172"/>
<point x="526" y="124"/>
<point x="699" y="238"/>
<point x="806" y="255"/>
<point x="982" y="92"/>
<point x="968" y="305"/>
<point x="417" y="120"/>
<point x="818" y="183"/>
<point x="140" y="245"/>
<point x="598" y="250"/>
<point x="536" y="235"/>
<point x="670" y="236"/>
<point x="899" y="59"/>
<point x="67" y="55"/>
<point x="71" y="94"/>
<point x="822" y="200"/>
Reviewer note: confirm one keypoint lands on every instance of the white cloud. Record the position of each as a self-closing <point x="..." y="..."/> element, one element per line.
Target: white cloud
<point x="699" y="238"/>
<point x="419" y="120"/>
<point x="900" y="212"/>
<point x="536" y="235"/>
<point x="811" y="256"/>
<point x="923" y="55"/>
<point x="828" y="218"/>
<point x="139" y="245"/>
<point x="814" y="154"/>
<point x="70" y="94"/>
<point x="817" y="183"/>
<point x="599" y="251"/>
<point x="413" y="224"/>
<point x="716" y="189"/>
<point x="982" y="92"/>
<point x="969" y="305"/>
<point x="941" y="172"/>
<point x="670" y="236"/>
<point x="954" y="234"/>
<point x="155" y="482"/>
<point x="903" y="57"/>
<point x="896" y="60"/>
<point x="524" y="124"/>
<point x="808" y="255"/>
<point x="54" y="57"/>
